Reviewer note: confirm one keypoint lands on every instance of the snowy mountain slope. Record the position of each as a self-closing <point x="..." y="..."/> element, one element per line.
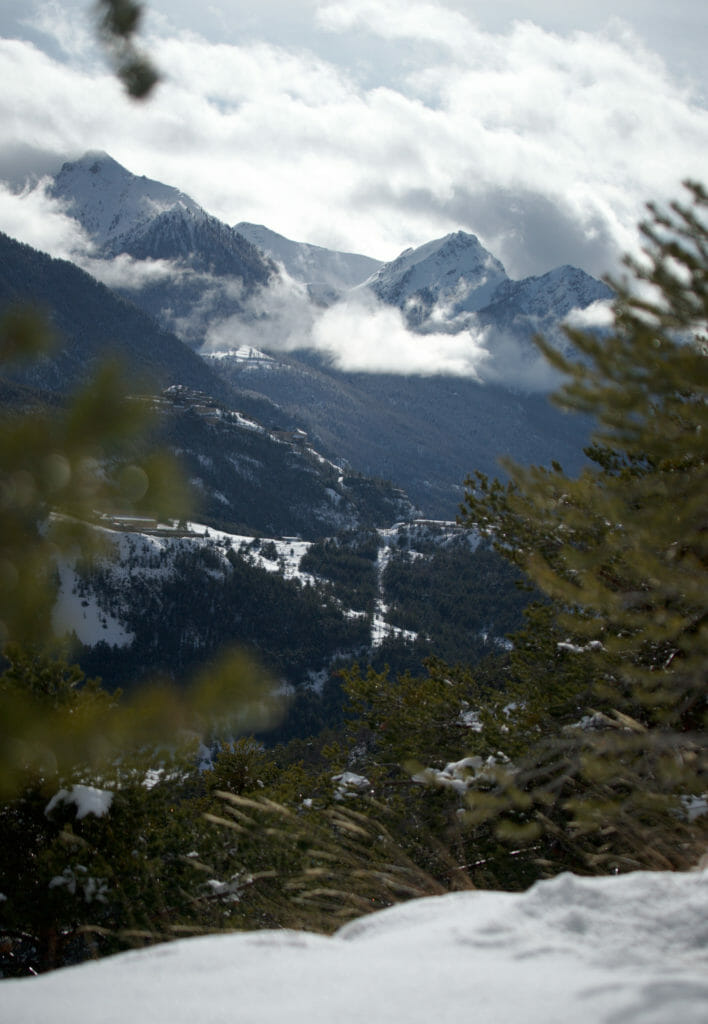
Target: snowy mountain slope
<point x="453" y="286"/>
<point x="440" y="285"/>
<point x="159" y="592"/>
<point x="536" y="305"/>
<point x="244" y="356"/>
<point x="326" y="272"/>
<point x="622" y="950"/>
<point x="554" y="294"/>
<point x="96" y="608"/>
<point x="207" y="270"/>
<point x="97" y="612"/>
<point x="215" y="271"/>
<point x="455" y="273"/>
<point x="160" y="599"/>
<point x="109" y="202"/>
<point x="126" y="213"/>
<point x="426" y="434"/>
<point x="166" y="600"/>
<point x="198" y="240"/>
<point x="76" y="611"/>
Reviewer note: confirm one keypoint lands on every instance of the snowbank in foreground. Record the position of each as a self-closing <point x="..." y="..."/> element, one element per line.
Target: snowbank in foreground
<point x="623" y="950"/>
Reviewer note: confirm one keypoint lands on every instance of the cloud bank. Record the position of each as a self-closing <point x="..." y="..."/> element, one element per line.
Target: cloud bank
<point x="544" y="145"/>
<point x="34" y="217"/>
<point x="361" y="334"/>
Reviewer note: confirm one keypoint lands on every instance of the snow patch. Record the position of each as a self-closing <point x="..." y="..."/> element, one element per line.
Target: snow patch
<point x="88" y="800"/>
<point x="81" y="614"/>
<point x="350" y="784"/>
<point x="462" y="775"/>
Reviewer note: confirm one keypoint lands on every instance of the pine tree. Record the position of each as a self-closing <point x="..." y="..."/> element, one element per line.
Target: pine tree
<point x="622" y="552"/>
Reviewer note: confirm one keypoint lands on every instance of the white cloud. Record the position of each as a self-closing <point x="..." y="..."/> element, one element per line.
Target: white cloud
<point x="71" y="30"/>
<point x="364" y="335"/>
<point x="546" y="146"/>
<point x="597" y="314"/>
<point x="279" y="317"/>
<point x="358" y="333"/>
<point x="397" y="19"/>
<point x="130" y="274"/>
<point x="35" y="218"/>
<point x="516" y="362"/>
<point x="38" y="219"/>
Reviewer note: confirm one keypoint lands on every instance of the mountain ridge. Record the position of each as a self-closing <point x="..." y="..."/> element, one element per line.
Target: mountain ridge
<point x="239" y="451"/>
<point x="425" y="432"/>
<point x="325" y="272"/>
<point x="107" y="186"/>
<point x="443" y="285"/>
<point x="209" y="270"/>
<point x="91" y="322"/>
<point x="456" y="271"/>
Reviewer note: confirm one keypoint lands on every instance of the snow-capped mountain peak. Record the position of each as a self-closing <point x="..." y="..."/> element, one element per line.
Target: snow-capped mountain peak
<point x="110" y="202"/>
<point x="456" y="271"/>
<point x="554" y="293"/>
<point x="207" y="269"/>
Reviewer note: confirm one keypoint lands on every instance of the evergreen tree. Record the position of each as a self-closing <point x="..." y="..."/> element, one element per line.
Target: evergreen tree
<point x="622" y="553"/>
<point x="120" y="876"/>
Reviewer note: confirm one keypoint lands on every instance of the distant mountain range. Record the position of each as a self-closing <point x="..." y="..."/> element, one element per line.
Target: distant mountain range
<point x="210" y="270"/>
<point x="233" y="286"/>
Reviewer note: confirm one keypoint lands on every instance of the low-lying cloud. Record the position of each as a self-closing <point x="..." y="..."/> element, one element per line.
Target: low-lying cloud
<point x="128" y="274"/>
<point x="279" y="317"/>
<point x="31" y="215"/>
<point x="598" y="314"/>
<point x="362" y="334"/>
<point x="357" y="334"/>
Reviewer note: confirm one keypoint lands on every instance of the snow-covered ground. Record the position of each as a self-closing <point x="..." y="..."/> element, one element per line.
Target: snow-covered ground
<point x="74" y="612"/>
<point x="436" y="531"/>
<point x="150" y="555"/>
<point x="631" y="949"/>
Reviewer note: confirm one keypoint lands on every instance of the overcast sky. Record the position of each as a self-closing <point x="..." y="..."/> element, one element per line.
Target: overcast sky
<point x="372" y="125"/>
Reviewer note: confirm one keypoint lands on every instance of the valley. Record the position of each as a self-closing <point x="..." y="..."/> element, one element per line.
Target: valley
<point x="163" y="599"/>
<point x="325" y="488"/>
<point x="353" y="534"/>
